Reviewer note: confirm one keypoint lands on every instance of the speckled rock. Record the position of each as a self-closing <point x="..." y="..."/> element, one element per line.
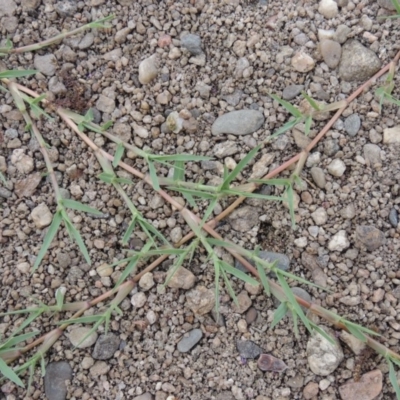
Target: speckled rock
<point x="339" y="241"/>
<point x="370" y="237"/>
<point x="106" y="346"/>
<point x="201" y="300"/>
<point x="241" y="122"/>
<point x="148" y="70"/>
<point x="182" y="279"/>
<point x="244" y="218"/>
<point x="322" y="355"/>
<point x="192" y="43"/>
<point x="352" y="124"/>
<point x="358" y="63"/>
<point x="41" y="216"/>
<point x="302" y="62"/>
<point x="331" y="52"/>
<point x="248" y="349"/>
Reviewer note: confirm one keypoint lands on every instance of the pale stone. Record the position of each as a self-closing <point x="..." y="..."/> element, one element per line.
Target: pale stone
<point x="41" y="216"/>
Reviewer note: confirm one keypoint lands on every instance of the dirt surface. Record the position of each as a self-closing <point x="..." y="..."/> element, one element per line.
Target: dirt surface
<point x="247" y="49"/>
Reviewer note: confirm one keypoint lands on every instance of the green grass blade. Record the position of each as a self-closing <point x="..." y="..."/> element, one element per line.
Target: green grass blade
<point x="290" y="201"/>
<point x="106" y="125"/>
<point x="129" y="269"/>
<point x="60" y="294"/>
<point x="209" y="211"/>
<point x="295" y="324"/>
<point x="239" y="274"/>
<point x="279" y="314"/>
<point x="312" y="102"/>
<point x="264" y="279"/>
<point x="3" y="179"/>
<point x="148" y="227"/>
<point x="105" y="177"/>
<point x="179" y="171"/>
<point x="289" y="107"/>
<point x="217" y="268"/>
<point x="8" y="373"/>
<point x="193" y="192"/>
<point x="233" y="192"/>
<point x="76" y="205"/>
<point x="129" y="231"/>
<point x="99" y="24"/>
<point x="89" y="319"/>
<point x="229" y="287"/>
<point x="153" y="175"/>
<point x="396" y="5"/>
<point x="321" y="332"/>
<point x="239" y="167"/>
<point x="9" y="74"/>
<point x="55" y="224"/>
<point x="176" y="266"/>
<point x="356" y="332"/>
<point x="290" y="296"/>
<point x="272" y="182"/>
<point x="289" y="125"/>
<point x="13" y="341"/>
<point x="307" y="127"/>
<point x="393" y="379"/>
<point x="178" y="157"/>
<point x="119" y="152"/>
<point x="75" y="235"/>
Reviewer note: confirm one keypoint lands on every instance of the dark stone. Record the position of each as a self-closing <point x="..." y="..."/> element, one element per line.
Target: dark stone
<point x="106" y="346"/>
<point x="248" y="349"/>
<point x="282" y="260"/>
<point x="54" y="380"/>
<point x="188" y="342"/>
<point x="369" y="236"/>
<point x="393" y="217"/>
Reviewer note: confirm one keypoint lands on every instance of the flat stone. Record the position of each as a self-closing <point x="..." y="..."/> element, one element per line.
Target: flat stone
<point x="54" y="380"/>
<point x="77" y="335"/>
<point x="146" y="282"/>
<point x="182" y="279"/>
<point x="370" y="237"/>
<point x="292" y="91"/>
<point x="66" y="8"/>
<point x="352" y="124"/>
<point x="7" y="7"/>
<point x="391" y="135"/>
<point x="372" y="154"/>
<point x="311" y="390"/>
<point x="394" y="217"/>
<point x="318" y="176"/>
<point x="355" y="344"/>
<point x="106" y="346"/>
<point x="26" y="187"/>
<point x="192" y="43"/>
<point x="224" y="149"/>
<point x="41" y="216"/>
<point x="248" y="349"/>
<point x="267" y="362"/>
<point x="241" y="122"/>
<point x="358" y="63"/>
<point x="368" y="388"/>
<point x="23" y="162"/>
<point x="189" y="341"/>
<point x="251" y="315"/>
<point x="244" y="218"/>
<point x="331" y="52"/>
<point x="322" y="355"/>
<point x="201" y="300"/>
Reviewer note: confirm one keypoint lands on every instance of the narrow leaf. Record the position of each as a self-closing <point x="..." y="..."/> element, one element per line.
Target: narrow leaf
<point x="129" y="231"/>
<point x="9" y="74"/>
<point x="307" y="127"/>
<point x="279" y="314"/>
<point x="153" y="176"/>
<point x="264" y="279"/>
<point x="393" y="379"/>
<point x="229" y="287"/>
<point x="75" y="235"/>
<point x="238" y="273"/>
<point x="55" y="224"/>
<point x="8" y="373"/>
<point x="289" y="107"/>
<point x="119" y="152"/>
<point x="312" y="102"/>
<point x="76" y="205"/>
<point x="356" y="332"/>
<point x="289" y="125"/>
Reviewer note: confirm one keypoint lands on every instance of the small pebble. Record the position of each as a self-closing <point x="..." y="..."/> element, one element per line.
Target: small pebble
<point x="248" y="349"/>
<point x="189" y="341"/>
<point x="394" y="217"/>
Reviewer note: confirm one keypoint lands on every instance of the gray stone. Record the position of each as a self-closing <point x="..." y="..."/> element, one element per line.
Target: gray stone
<point x="318" y="176"/>
<point x="10" y="24"/>
<point x="241" y="65"/>
<point x="331" y="52"/>
<point x="372" y="154"/>
<point x="244" y="219"/>
<point x="323" y="356"/>
<point x="388" y="4"/>
<point x="66" y="8"/>
<point x="46" y="64"/>
<point x="64" y="260"/>
<point x="144" y="396"/>
<point x="188" y="342"/>
<point x="234" y="98"/>
<point x="5" y="193"/>
<point x="192" y="43"/>
<point x="54" y="380"/>
<point x="393" y="217"/>
<point x="248" y="349"/>
<point x="105" y="104"/>
<point x="106" y="346"/>
<point x="7" y="7"/>
<point x="370" y="237"/>
<point x="342" y="33"/>
<point x="292" y="91"/>
<point x="242" y="122"/>
<point x="331" y="147"/>
<point x="41" y="216"/>
<point x="224" y="149"/>
<point x="358" y="63"/>
<point x="352" y="124"/>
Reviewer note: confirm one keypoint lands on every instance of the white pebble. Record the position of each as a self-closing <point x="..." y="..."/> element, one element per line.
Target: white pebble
<point x="328" y="8"/>
<point x="337" y="168"/>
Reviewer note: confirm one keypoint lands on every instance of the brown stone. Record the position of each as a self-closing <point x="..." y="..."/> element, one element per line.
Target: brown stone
<point x="368" y="388"/>
<point x="26" y="187"/>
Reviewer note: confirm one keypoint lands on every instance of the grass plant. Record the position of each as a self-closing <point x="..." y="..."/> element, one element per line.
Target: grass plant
<point x="157" y="247"/>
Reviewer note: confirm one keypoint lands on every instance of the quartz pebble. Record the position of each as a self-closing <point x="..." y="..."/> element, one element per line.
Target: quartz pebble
<point x="339" y="241"/>
<point x="328" y="8"/>
<point x="331" y="52"/>
<point x="302" y="62"/>
<point x="148" y="70"/>
<point x="337" y="168"/>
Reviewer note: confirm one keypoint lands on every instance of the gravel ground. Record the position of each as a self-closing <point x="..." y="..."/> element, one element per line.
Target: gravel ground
<point x="203" y="59"/>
